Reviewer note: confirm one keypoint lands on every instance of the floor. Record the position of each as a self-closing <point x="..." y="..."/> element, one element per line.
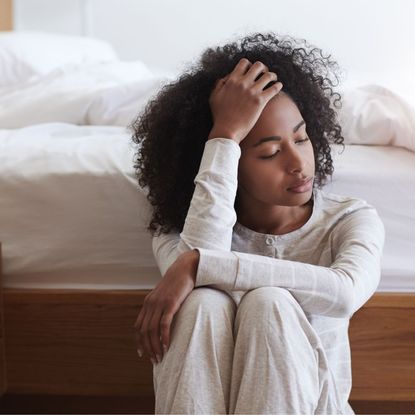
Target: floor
<point x="43" y="404"/>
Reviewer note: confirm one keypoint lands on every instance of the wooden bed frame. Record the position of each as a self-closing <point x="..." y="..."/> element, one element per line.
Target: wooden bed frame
<point x="60" y="342"/>
<point x="6" y="14"/>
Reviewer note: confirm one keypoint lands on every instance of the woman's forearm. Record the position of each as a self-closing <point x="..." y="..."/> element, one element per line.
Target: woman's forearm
<point x="211" y="215"/>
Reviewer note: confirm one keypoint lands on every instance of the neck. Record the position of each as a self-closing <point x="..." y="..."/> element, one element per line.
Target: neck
<point x="275" y="220"/>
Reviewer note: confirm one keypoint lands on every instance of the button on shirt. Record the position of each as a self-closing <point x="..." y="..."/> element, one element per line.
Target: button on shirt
<point x="269" y="241"/>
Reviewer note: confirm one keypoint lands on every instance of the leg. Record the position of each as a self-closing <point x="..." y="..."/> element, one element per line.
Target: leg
<point x="194" y="375"/>
<point x="279" y="364"/>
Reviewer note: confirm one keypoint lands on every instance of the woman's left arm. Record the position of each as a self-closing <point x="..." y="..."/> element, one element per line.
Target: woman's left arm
<point x="335" y="291"/>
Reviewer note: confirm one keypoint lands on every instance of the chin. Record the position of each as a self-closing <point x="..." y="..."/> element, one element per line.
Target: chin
<point x="299" y="199"/>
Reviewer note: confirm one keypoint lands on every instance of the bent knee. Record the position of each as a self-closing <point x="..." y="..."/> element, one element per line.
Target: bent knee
<point x="264" y="297"/>
<point x="208" y="300"/>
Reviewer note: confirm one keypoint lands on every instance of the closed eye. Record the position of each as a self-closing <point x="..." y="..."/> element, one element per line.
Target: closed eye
<point x="273" y="155"/>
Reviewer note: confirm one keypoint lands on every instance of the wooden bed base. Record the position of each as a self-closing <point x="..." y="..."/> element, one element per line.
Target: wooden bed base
<point x="81" y="342"/>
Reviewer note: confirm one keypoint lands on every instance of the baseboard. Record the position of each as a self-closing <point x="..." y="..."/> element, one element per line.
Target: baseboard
<point x="383" y="407"/>
<point x="50" y="404"/>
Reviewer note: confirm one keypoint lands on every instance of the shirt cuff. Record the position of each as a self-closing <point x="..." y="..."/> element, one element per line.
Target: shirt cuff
<point x="221" y="155"/>
<point x="217" y="267"/>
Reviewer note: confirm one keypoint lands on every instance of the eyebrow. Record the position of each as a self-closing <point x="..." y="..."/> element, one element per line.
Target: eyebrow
<point x="277" y="137"/>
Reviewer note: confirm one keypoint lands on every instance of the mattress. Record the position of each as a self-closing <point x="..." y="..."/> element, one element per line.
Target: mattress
<point x="384" y="176"/>
<point x="73" y="215"/>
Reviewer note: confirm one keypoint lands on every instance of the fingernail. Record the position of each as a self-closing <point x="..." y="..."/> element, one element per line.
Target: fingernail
<point x="164" y="348"/>
<point x="153" y="360"/>
<point x="158" y="358"/>
<point x="140" y="353"/>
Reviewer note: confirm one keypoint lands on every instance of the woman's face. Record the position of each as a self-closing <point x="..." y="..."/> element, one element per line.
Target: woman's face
<point x="265" y="181"/>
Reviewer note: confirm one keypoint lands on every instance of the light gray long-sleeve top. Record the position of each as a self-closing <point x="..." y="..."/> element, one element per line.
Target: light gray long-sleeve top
<point x="331" y="265"/>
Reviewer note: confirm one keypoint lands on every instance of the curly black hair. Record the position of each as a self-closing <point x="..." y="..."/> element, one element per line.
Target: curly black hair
<point x="172" y="129"/>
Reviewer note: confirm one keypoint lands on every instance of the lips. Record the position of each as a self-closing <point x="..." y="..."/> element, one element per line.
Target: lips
<point x="300" y="183"/>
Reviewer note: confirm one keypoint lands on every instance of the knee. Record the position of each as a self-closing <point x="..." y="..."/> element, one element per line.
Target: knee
<point x="208" y="301"/>
<point x="272" y="310"/>
<point x="260" y="300"/>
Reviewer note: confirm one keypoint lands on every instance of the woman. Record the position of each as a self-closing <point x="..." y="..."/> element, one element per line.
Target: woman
<point x="262" y="269"/>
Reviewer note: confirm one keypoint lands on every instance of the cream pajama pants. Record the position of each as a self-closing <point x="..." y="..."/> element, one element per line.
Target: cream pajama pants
<point x="261" y="356"/>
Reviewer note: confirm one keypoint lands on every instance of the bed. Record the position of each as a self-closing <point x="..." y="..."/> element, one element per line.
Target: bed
<point x="76" y="259"/>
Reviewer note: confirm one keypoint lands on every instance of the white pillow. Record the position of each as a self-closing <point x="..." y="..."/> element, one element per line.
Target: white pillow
<point x="375" y="115"/>
<point x="27" y="54"/>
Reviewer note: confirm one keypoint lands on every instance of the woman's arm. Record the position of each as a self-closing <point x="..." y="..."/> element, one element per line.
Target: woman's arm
<point x="211" y="216"/>
<point x="335" y="291"/>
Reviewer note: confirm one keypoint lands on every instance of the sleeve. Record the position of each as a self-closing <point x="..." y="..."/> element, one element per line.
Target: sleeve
<point x="337" y="291"/>
<point x="211" y="216"/>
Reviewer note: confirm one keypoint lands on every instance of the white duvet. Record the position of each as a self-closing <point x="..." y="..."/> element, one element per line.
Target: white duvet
<point x="110" y="93"/>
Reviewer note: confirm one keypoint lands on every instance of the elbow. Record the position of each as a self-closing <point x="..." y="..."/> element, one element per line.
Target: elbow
<point x="345" y="302"/>
<point x="357" y="288"/>
<point x="347" y="298"/>
<point x="346" y="308"/>
<point x="342" y="309"/>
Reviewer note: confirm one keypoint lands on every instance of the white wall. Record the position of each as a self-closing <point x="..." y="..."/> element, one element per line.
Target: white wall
<point x="371" y="39"/>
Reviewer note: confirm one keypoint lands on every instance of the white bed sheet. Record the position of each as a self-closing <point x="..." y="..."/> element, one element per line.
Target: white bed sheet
<point x="73" y="215"/>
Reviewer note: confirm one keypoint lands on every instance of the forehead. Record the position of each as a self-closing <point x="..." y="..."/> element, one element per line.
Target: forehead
<point x="279" y="117"/>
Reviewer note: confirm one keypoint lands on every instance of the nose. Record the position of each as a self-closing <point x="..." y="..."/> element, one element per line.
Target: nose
<point x="295" y="159"/>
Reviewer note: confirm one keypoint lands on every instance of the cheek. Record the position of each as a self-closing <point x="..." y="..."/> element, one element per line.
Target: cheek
<point x="257" y="177"/>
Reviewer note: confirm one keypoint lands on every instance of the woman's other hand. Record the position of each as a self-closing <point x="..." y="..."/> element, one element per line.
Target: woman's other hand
<point x="161" y="304"/>
<point x="238" y="99"/>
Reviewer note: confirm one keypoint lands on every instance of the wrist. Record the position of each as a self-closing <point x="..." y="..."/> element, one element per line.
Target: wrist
<point x="191" y="260"/>
<point x="194" y="263"/>
<point x="221" y="133"/>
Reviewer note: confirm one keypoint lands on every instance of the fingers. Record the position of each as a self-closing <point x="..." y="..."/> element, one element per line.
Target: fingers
<point x="221" y="81"/>
<point x="241" y="68"/>
<point x="255" y="70"/>
<point x="137" y="328"/>
<point x="265" y="79"/>
<point x="139" y="344"/>
<point x="154" y="336"/>
<point x="152" y="330"/>
<point x="272" y="91"/>
<point x="141" y="330"/>
<point x="238" y="72"/>
<point x="250" y="72"/>
<point x="165" y="324"/>
<point x="145" y="338"/>
<point x="259" y="84"/>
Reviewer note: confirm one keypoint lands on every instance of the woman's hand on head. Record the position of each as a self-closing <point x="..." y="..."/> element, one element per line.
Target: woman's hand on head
<point x="152" y="326"/>
<point x="238" y="99"/>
